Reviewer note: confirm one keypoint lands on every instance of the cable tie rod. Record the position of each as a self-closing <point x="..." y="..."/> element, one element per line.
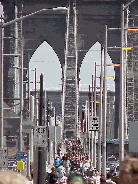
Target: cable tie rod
<point x="113" y="47"/>
<point x="114" y="28"/>
<point x="10" y="38"/>
<point x="18" y="67"/>
<point x="131" y="28"/>
<point x="12" y="54"/>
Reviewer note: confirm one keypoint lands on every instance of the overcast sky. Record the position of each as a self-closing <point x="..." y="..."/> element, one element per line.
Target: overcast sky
<point x="46" y="61"/>
<point x="1" y="9"/>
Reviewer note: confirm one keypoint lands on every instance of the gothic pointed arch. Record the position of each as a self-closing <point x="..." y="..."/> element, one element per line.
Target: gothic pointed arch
<point x="46" y="61"/>
<point x="87" y="67"/>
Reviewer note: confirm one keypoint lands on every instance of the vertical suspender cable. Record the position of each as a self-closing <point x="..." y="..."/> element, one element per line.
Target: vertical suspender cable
<point x="104" y="109"/>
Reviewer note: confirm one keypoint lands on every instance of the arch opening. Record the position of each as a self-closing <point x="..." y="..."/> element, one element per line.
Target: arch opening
<point x="87" y="69"/>
<point x="46" y="61"/>
<point x="1" y="10"/>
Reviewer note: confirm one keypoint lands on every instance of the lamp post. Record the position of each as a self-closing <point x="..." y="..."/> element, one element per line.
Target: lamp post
<point x="104" y="109"/>
<point x="100" y="116"/>
<point x="86" y="116"/>
<point x="2" y="26"/>
<point x="26" y="16"/>
<point x="21" y="96"/>
<point x="94" y="139"/>
<point x="92" y="131"/>
<point x="121" y="111"/>
<point x="54" y="135"/>
<point x="121" y="107"/>
<point x="1" y="86"/>
<point x="86" y="119"/>
<point x="35" y="106"/>
<point x="89" y="124"/>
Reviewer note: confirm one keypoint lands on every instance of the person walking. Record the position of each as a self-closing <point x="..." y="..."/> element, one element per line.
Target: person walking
<point x="109" y="180"/>
<point x="57" y="162"/>
<point x="67" y="165"/>
<point x="52" y="177"/>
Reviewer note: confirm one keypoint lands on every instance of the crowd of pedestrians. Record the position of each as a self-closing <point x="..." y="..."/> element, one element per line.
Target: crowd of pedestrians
<point x="74" y="167"/>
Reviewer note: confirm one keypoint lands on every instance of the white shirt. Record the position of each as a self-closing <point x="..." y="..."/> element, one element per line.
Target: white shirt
<point x="81" y="164"/>
<point x="110" y="181"/>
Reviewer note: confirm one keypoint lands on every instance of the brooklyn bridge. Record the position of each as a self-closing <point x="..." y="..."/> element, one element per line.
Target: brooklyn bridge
<point x="71" y="28"/>
<point x="71" y="33"/>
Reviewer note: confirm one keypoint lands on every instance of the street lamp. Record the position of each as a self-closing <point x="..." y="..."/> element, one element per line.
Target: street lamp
<point x="26" y="16"/>
<point x="35" y="106"/>
<point x="121" y="108"/>
<point x="2" y="26"/>
<point x="100" y="118"/>
<point x="104" y="109"/>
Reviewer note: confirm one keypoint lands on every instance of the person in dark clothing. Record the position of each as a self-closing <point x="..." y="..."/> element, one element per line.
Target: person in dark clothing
<point x="63" y="158"/>
<point x="108" y="179"/>
<point x="103" y="180"/>
<point x="58" y="151"/>
<point x="53" y="176"/>
<point x="57" y="162"/>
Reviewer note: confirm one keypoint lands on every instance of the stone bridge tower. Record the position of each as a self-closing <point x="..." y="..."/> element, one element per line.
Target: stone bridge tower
<point x="92" y="16"/>
<point x="70" y="90"/>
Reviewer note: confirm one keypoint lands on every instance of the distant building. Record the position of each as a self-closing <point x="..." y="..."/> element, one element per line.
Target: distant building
<point x="54" y="98"/>
<point x="110" y="116"/>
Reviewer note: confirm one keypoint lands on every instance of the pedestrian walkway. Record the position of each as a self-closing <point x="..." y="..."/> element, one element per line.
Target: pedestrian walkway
<point x="63" y="150"/>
